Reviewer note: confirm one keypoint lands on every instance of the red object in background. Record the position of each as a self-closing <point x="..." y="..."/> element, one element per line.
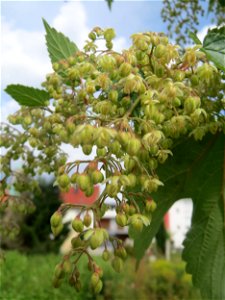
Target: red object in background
<point x="167" y="221"/>
<point x="76" y="196"/>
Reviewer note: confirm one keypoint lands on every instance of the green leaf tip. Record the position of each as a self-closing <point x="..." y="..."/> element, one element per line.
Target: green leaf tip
<point x="26" y="95"/>
<point x="59" y="46"/>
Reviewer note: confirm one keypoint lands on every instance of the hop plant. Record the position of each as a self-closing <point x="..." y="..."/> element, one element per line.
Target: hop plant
<point x="128" y="109"/>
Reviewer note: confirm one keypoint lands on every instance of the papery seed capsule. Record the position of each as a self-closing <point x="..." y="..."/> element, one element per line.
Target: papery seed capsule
<point x="97" y="177"/>
<point x="57" y="230"/>
<point x="56" y="219"/>
<point x="77" y="224"/>
<point x="117" y="264"/>
<point x="121" y="219"/>
<point x="87" y="220"/>
<point x="83" y="180"/>
<point x="105" y="255"/>
<point x="63" y="181"/>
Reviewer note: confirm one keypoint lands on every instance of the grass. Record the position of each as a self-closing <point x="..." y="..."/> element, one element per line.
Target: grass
<point x="30" y="278"/>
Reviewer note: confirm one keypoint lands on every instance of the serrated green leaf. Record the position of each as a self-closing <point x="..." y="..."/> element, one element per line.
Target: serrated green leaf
<point x="195" y="38"/>
<point x="26" y="95"/>
<point x="59" y="46"/>
<point x="195" y="171"/>
<point x="204" y="249"/>
<point x="214" y="46"/>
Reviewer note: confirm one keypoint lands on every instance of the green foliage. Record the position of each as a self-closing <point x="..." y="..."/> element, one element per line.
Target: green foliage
<point x="195" y="171"/>
<point x="28" y="96"/>
<point x="155" y="116"/>
<point x="32" y="276"/>
<point x="59" y="46"/>
<point x="214" y="46"/>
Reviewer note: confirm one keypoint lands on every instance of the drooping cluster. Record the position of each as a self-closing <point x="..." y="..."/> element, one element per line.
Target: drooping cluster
<point x="126" y="110"/>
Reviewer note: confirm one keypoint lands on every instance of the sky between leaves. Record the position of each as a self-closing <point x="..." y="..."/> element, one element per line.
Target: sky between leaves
<point x="24" y="55"/>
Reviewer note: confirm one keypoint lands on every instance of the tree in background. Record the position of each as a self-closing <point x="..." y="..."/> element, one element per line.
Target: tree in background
<point x="182" y="16"/>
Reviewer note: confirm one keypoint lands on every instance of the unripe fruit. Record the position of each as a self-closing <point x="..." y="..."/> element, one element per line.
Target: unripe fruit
<point x="109" y="34"/>
<point x="67" y="266"/>
<point x="101" y="152"/>
<point x="56" y="219"/>
<point x="105" y="255"/>
<point x="76" y="242"/>
<point x="89" y="191"/>
<point x="121" y="219"/>
<point x="98" y="287"/>
<point x="121" y="252"/>
<point x="133" y="147"/>
<point x="87" y="220"/>
<point x="63" y="181"/>
<point x="94" y="279"/>
<point x="97" y="177"/>
<point x="117" y="264"/>
<point x="150" y="206"/>
<point x="57" y="230"/>
<point x="132" y="209"/>
<point x="74" y="177"/>
<point x="159" y="51"/>
<point x="59" y="272"/>
<point x="77" y="224"/>
<point x="129" y="163"/>
<point x="87" y="149"/>
<point x="125" y="69"/>
<point x="84" y="182"/>
<point x="137" y="224"/>
<point x="113" y="95"/>
<point x="191" y="104"/>
<point x="92" y="36"/>
<point x="97" y="239"/>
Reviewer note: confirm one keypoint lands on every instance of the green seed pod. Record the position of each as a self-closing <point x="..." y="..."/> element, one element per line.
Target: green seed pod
<point x="59" y="272"/>
<point x="83" y="181"/>
<point x="150" y="205"/>
<point x="97" y="177"/>
<point x="96" y="239"/>
<point x="77" y="224"/>
<point x="125" y="69"/>
<point x="121" y="219"/>
<point x="129" y="163"/>
<point x="63" y="181"/>
<point x="87" y="220"/>
<point x="137" y="224"/>
<point x="98" y="287"/>
<point x="101" y="152"/>
<point x="89" y="191"/>
<point x="121" y="252"/>
<point x="105" y="255"/>
<point x="57" y="230"/>
<point x="56" y="219"/>
<point x="76" y="242"/>
<point x="67" y="266"/>
<point x="74" y="177"/>
<point x="109" y="34"/>
<point x="92" y="36"/>
<point x="159" y="51"/>
<point x="117" y="264"/>
<point x="113" y="95"/>
<point x="94" y="279"/>
<point x="132" y="209"/>
<point x="133" y="146"/>
<point x="87" y="149"/>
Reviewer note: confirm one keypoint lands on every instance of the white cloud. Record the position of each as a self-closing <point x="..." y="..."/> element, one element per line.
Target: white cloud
<point x="24" y="57"/>
<point x="202" y="33"/>
<point x="72" y="21"/>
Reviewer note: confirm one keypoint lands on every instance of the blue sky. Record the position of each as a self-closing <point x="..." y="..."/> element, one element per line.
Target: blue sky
<point x="24" y="56"/>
